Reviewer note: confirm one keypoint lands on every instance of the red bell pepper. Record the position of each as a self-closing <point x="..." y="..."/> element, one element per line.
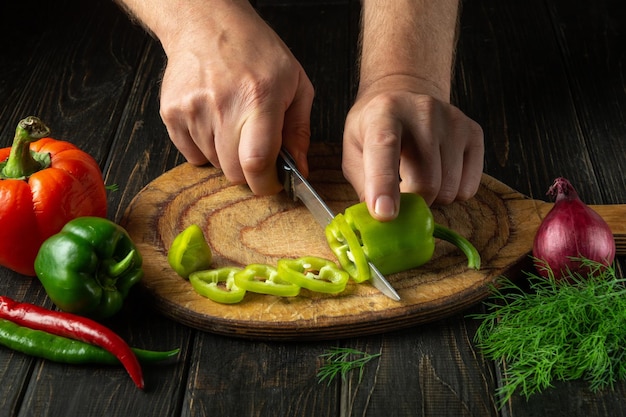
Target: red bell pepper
<point x="44" y="183"/>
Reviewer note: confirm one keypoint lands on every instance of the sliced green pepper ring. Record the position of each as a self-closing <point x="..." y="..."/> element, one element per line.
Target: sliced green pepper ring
<point x="313" y="273"/>
<point x="218" y="285"/>
<point x="347" y="248"/>
<point x="264" y="279"/>
<point x="189" y="252"/>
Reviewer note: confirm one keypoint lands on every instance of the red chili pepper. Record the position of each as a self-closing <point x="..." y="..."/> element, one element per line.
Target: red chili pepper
<point x="74" y="327"/>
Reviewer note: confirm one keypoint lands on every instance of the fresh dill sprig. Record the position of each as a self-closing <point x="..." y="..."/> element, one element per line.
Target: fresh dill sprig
<point x="340" y="361"/>
<point x="557" y="330"/>
<point x="112" y="187"/>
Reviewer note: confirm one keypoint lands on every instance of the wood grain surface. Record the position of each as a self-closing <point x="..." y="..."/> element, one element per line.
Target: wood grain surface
<point x="242" y="228"/>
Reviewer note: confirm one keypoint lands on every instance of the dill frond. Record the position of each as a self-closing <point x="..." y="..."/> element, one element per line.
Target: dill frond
<point x="340" y="361"/>
<point x="557" y="331"/>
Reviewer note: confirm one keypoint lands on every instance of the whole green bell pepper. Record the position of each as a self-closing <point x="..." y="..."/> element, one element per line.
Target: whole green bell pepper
<point x="89" y="267"/>
<point x="398" y="245"/>
<point x="404" y="243"/>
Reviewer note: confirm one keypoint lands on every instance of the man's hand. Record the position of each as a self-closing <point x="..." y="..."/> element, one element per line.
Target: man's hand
<point x="402" y="134"/>
<point x="232" y="92"/>
<point x="399" y="140"/>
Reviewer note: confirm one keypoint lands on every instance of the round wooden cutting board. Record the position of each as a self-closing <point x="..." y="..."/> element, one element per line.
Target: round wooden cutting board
<point x="242" y="228"/>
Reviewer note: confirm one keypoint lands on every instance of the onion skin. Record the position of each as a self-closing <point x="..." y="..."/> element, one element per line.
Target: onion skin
<point x="569" y="232"/>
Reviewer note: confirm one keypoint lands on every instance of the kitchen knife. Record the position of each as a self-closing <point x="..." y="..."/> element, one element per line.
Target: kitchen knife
<point x="298" y="188"/>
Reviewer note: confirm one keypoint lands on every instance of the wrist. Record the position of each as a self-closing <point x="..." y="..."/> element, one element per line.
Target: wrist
<point x="417" y="48"/>
<point x="409" y="83"/>
<point x="181" y="22"/>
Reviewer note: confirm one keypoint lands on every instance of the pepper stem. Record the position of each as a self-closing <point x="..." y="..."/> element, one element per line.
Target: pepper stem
<point x="118" y="268"/>
<point x="21" y="163"/>
<point x="473" y="257"/>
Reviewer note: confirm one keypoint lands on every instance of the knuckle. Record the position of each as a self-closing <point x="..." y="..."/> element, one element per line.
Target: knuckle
<point x="233" y="174"/>
<point x="300" y="130"/>
<point x="469" y="188"/>
<point x="465" y="194"/>
<point x="184" y="107"/>
<point x="253" y="91"/>
<point x="384" y="103"/>
<point x="255" y="165"/>
<point x="427" y="189"/>
<point x="476" y="130"/>
<point x="168" y="113"/>
<point x="446" y="196"/>
<point x="308" y="90"/>
<point x="426" y="103"/>
<point x="383" y="139"/>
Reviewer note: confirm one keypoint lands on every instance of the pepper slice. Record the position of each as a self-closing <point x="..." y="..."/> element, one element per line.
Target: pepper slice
<point x="189" y="252"/>
<point x="264" y="279"/>
<point x="313" y="273"/>
<point x="346" y="247"/>
<point x="218" y="285"/>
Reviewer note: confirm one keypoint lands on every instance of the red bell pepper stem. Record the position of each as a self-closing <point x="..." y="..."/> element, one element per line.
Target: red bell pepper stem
<point x="21" y="163"/>
<point x="75" y="327"/>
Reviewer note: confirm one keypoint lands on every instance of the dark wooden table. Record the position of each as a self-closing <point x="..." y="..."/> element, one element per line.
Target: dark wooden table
<point x="546" y="80"/>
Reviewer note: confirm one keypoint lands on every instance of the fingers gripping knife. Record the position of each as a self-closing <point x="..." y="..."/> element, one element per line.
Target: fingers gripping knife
<point x="298" y="188"/>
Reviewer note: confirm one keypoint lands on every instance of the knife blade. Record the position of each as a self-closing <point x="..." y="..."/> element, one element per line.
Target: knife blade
<point x="298" y="188"/>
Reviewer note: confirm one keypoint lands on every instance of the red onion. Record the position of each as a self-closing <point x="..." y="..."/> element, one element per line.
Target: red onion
<point x="571" y="230"/>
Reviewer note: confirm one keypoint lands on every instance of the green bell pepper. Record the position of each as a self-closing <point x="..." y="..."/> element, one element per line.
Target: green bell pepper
<point x="264" y="279"/>
<point x="218" y="285"/>
<point x="313" y="273"/>
<point x="398" y="245"/>
<point x="89" y="267"/>
<point x="404" y="243"/>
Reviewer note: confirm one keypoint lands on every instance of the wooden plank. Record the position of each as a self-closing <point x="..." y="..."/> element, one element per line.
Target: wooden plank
<point x="15" y="368"/>
<point x="430" y="370"/>
<point x="323" y="39"/>
<point x="231" y="378"/>
<point x="141" y="148"/>
<point x="70" y="71"/>
<point x="511" y="79"/>
<point x="591" y="35"/>
<point x="70" y="390"/>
